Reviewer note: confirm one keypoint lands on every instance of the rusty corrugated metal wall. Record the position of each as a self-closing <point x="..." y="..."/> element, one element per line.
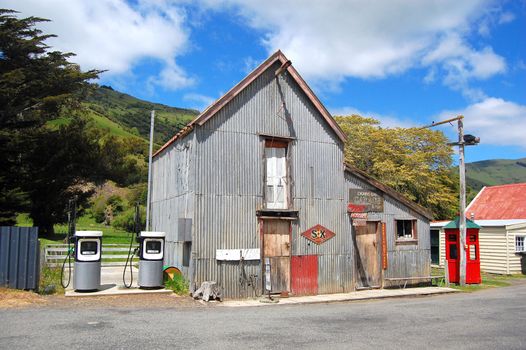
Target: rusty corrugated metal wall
<point x="403" y="260"/>
<point x="230" y="187"/>
<point x="173" y="192"/>
<point x="215" y="178"/>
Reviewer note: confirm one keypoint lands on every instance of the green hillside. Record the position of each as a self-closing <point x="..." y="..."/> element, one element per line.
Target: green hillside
<point x="495" y="172"/>
<point x="126" y="115"/>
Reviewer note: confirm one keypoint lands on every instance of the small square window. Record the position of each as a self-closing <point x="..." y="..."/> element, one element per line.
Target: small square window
<point x="519" y="244"/>
<point x="405" y="229"/>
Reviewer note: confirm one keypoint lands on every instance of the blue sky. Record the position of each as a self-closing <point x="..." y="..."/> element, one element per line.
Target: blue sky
<point x="404" y="62"/>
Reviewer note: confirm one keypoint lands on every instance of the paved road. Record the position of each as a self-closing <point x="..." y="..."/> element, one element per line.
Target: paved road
<point x="490" y="319"/>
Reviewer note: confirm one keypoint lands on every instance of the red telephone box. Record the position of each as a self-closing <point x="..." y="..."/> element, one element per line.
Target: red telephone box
<point x="452" y="231"/>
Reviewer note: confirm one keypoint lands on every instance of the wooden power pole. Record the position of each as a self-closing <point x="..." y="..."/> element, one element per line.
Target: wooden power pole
<point x="462" y="209"/>
<point x="462" y="196"/>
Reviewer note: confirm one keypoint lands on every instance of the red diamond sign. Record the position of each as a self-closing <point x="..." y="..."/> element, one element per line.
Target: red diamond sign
<point x="318" y="234"/>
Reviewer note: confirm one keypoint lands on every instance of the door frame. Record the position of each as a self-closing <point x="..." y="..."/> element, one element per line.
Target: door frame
<point x="379" y="244"/>
<point x="262" y="250"/>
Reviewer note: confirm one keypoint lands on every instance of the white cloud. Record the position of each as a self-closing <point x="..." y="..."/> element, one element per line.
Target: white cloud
<point x="494" y="120"/>
<point x="386" y="121"/>
<point x="332" y="40"/>
<point x="114" y="35"/>
<point x="462" y="64"/>
<point x="200" y="101"/>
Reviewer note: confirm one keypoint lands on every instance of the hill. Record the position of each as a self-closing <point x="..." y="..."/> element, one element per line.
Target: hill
<point x="126" y="115"/>
<point x="495" y="172"/>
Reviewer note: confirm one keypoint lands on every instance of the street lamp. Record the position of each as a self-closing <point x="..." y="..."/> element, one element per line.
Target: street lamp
<point x="463" y="140"/>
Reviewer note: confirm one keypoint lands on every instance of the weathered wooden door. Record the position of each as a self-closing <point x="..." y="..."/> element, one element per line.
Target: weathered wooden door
<point x="276" y="247"/>
<point x="367" y="244"/>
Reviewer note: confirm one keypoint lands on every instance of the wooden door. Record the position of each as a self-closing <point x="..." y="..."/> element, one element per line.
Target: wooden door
<point x="367" y="244"/>
<point x="276" y="247"/>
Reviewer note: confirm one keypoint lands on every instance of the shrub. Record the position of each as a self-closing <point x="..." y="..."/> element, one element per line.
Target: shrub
<point x="126" y="220"/>
<point x="50" y="280"/>
<point x="178" y="284"/>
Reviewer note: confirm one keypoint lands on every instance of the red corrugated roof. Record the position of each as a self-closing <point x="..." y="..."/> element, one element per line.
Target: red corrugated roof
<point x="499" y="203"/>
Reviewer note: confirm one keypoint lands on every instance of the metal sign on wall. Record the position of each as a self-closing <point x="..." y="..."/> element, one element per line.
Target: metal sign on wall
<point x="365" y="201"/>
<point x="318" y="234"/>
<point x="359" y="219"/>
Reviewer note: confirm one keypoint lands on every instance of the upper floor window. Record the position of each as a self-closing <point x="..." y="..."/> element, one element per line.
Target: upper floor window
<point x="276" y="182"/>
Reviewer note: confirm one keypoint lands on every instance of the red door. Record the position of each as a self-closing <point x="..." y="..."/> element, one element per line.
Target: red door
<point x="452" y="255"/>
<point x="304" y="276"/>
<point x="473" y="257"/>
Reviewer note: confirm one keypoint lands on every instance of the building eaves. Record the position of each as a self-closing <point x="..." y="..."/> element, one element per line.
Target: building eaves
<point x="388" y="190"/>
<point x="215" y="107"/>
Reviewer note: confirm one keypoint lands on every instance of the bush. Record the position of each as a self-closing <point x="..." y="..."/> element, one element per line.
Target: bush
<point x="126" y="220"/>
<point x="178" y="284"/>
<point x="50" y="280"/>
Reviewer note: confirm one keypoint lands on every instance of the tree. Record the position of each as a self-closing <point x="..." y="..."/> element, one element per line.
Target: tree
<point x="415" y="162"/>
<point x="38" y="85"/>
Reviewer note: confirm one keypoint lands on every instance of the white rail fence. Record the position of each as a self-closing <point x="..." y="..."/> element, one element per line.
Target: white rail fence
<point x="112" y="254"/>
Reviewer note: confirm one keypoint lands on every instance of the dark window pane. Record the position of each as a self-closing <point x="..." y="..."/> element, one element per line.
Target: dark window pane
<point x="404" y="228"/>
<point x="88" y="248"/>
<point x="153" y="247"/>
<point x="453" y="251"/>
<point x="472" y="252"/>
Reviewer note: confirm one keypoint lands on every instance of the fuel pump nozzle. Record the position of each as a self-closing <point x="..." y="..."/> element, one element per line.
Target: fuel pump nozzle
<point x="132" y="251"/>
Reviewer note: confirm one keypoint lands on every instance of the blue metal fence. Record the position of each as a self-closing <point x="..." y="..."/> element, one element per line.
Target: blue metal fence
<point x="19" y="257"/>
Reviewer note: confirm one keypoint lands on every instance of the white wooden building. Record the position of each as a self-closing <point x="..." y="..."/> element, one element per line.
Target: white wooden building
<point x="500" y="211"/>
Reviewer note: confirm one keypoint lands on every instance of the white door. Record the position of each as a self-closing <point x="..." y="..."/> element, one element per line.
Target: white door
<point x="276" y="184"/>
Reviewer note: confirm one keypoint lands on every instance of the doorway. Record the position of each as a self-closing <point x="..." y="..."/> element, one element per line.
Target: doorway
<point x="276" y="247"/>
<point x="367" y="244"/>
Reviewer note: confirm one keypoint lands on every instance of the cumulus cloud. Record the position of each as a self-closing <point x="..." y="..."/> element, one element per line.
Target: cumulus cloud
<point x="386" y="121"/>
<point x="115" y="35"/>
<point x="200" y="102"/>
<point x="494" y="120"/>
<point x="333" y="40"/>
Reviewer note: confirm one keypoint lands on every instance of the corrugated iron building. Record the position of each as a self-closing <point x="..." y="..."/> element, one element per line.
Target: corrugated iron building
<point x="259" y="177"/>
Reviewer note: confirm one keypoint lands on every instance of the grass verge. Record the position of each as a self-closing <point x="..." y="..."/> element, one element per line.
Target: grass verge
<point x="489" y="280"/>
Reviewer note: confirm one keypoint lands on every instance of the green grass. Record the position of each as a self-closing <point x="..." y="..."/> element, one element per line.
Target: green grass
<point x="110" y="235"/>
<point x="50" y="276"/>
<point x="489" y="280"/>
<point x="114" y="128"/>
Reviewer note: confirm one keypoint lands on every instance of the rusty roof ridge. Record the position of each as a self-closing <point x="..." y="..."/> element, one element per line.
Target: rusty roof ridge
<point x="218" y="104"/>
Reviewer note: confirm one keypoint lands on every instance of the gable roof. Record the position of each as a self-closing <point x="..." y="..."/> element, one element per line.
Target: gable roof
<point x="456" y="223"/>
<point x="215" y="107"/>
<point x="499" y="203"/>
<point x="388" y="190"/>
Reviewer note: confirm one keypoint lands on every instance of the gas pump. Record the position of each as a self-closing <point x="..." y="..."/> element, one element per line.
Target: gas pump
<point x="87" y="260"/>
<point x="151" y="255"/>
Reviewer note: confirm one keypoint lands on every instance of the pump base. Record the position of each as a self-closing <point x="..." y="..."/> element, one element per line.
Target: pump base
<point x="86" y="277"/>
<point x="150" y="274"/>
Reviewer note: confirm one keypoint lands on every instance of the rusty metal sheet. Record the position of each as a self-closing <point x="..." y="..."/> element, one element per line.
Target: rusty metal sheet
<point x="304" y="275"/>
<point x="373" y="201"/>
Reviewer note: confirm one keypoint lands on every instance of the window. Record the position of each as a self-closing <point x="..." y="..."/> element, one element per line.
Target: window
<point x="519" y="244"/>
<point x="89" y="248"/>
<point x="405" y="229"/>
<point x="153" y="247"/>
<point x="276" y="184"/>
